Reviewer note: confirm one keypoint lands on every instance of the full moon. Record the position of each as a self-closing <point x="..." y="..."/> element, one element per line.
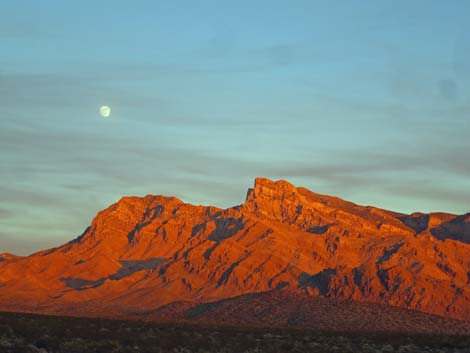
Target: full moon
<point x="105" y="111"/>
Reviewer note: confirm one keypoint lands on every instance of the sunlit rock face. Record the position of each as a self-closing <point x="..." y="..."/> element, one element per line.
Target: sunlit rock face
<point x="145" y="252"/>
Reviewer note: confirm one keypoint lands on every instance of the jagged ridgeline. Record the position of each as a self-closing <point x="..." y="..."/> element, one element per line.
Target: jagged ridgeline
<point x="159" y="257"/>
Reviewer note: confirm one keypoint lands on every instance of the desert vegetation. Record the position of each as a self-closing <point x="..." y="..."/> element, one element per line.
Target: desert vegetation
<point x="24" y="333"/>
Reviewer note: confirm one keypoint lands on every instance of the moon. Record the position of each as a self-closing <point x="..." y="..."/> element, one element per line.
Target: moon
<point x="105" y="111"/>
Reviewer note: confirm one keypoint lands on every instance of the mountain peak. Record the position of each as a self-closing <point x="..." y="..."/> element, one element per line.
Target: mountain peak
<point x="277" y="200"/>
<point x="264" y="187"/>
<point x="7" y="256"/>
<point x="275" y="184"/>
<point x="278" y="186"/>
<point x="144" y="252"/>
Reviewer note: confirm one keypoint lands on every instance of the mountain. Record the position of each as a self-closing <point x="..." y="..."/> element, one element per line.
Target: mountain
<point x="154" y="255"/>
<point x="287" y="308"/>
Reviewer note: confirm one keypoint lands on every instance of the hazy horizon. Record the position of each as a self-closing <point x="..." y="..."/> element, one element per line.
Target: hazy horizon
<point x="367" y="101"/>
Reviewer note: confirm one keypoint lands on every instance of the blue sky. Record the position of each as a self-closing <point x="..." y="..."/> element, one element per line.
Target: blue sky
<point x="367" y="100"/>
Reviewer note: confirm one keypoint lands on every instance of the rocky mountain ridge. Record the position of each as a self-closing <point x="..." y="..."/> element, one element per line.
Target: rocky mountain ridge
<point x="143" y="253"/>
